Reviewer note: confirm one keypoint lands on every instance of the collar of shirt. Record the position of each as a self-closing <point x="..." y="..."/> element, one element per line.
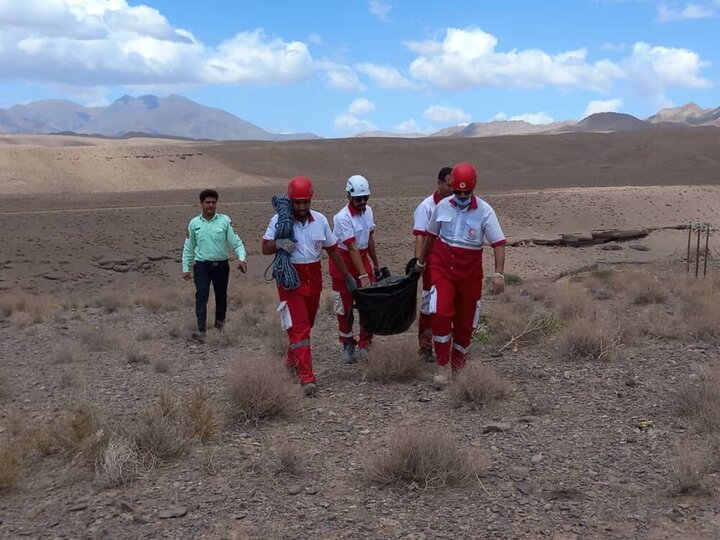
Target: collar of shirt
<point x="215" y="215"/>
<point x="472" y="206"/>
<point x="310" y="219"/>
<point x="353" y="211"/>
<point x="436" y="197"/>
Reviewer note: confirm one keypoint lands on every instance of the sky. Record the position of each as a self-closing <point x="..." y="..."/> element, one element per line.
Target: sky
<point x="337" y="68"/>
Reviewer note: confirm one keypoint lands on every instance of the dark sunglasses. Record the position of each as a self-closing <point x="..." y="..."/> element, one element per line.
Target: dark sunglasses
<point x="361" y="198"/>
<point x="462" y="193"/>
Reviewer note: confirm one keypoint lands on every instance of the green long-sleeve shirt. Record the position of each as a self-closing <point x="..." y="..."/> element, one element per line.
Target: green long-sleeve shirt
<point x="208" y="240"/>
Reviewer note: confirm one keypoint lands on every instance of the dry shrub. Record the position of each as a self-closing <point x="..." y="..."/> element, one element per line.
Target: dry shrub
<point x="425" y="456"/>
<point x="112" y="301"/>
<point x="100" y="339"/>
<point x="80" y="434"/>
<point x="144" y="335"/>
<point x="11" y="466"/>
<point x="259" y="390"/>
<point x="182" y="327"/>
<point x="590" y="340"/>
<point x="479" y="386"/>
<point x="276" y="343"/>
<point x="200" y="414"/>
<point x="67" y="352"/>
<point x="570" y="301"/>
<point x="641" y="288"/>
<point x="518" y="320"/>
<point x="229" y="336"/>
<point x="691" y="468"/>
<point x="134" y="354"/>
<point x="160" y="299"/>
<point x="119" y="462"/>
<point x="288" y="458"/>
<point x="392" y="363"/>
<point x="699" y="400"/>
<point x="702" y="316"/>
<point x="25" y="309"/>
<point x="162" y="432"/>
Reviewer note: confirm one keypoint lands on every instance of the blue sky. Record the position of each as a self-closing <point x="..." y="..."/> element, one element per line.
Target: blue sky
<point x="343" y="67"/>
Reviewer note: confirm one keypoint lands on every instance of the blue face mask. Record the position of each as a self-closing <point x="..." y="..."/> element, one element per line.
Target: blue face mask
<point x="460" y="202"/>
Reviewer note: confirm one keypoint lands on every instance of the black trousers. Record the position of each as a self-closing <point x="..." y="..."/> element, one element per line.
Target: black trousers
<point x="204" y="273"/>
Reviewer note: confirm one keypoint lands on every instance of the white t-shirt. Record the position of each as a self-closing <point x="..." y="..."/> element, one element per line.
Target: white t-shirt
<point x="466" y="228"/>
<point x="422" y="214"/>
<point x="311" y="237"/>
<point x="350" y="225"/>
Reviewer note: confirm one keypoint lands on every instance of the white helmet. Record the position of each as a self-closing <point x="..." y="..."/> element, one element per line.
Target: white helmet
<point x="357" y="186"/>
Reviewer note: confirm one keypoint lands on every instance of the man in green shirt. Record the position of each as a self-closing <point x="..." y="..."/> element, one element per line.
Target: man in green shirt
<point x="209" y="236"/>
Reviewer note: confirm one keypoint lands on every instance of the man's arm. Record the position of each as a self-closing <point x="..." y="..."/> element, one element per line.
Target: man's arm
<point x="234" y="241"/>
<point x="427" y="245"/>
<point x="499" y="277"/>
<point x="356" y="259"/>
<point x="419" y="241"/>
<point x="188" y="254"/>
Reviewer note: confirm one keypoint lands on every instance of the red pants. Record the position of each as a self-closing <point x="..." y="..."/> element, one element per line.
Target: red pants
<point x="343" y="300"/>
<point x="458" y="309"/>
<point x="425" y="319"/>
<point x="298" y="309"/>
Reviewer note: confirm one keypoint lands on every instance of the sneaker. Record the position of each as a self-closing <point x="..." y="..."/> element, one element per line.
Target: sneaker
<point x="361" y="355"/>
<point x="440" y="380"/>
<point x="427" y="355"/>
<point x="348" y="354"/>
<point x="309" y="389"/>
<point x="198" y="336"/>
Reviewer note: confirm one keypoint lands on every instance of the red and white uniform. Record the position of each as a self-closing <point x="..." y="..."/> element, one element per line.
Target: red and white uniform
<point x="457" y="273"/>
<point x="298" y="307"/>
<point x="421" y="218"/>
<point x="351" y="226"/>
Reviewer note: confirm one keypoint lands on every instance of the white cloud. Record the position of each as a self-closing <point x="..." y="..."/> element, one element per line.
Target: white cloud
<point x="533" y="118"/>
<point x="361" y="106"/>
<point x="380" y="9"/>
<point x="340" y="77"/>
<point x="351" y="124"/>
<point x="468" y="58"/>
<point x="438" y="113"/>
<point x="408" y="126"/>
<point x="667" y="13"/>
<point x="385" y="76"/>
<point x="539" y="118"/>
<point x="109" y="42"/>
<point x="607" y="105"/>
<point x="315" y="39"/>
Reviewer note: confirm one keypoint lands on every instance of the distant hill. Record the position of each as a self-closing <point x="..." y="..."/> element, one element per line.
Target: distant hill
<point x="607" y="122"/>
<point x="173" y="116"/>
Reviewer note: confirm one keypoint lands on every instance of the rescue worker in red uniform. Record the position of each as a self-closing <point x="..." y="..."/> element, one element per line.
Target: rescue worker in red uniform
<point x="421" y="218"/>
<point x="354" y="227"/>
<point x="457" y="231"/>
<point x="298" y="307"/>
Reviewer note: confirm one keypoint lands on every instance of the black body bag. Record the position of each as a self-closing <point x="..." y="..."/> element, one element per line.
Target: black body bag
<point x="388" y="307"/>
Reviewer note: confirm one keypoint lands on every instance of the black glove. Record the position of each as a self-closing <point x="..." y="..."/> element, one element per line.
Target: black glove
<point x="410" y="266"/>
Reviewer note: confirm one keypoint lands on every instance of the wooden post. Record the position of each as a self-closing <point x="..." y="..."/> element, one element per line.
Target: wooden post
<point x="688" y="249"/>
<point x="697" y="251"/>
<point x="707" y="249"/>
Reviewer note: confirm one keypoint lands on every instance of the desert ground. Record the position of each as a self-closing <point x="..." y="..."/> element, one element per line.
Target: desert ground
<point x="590" y="407"/>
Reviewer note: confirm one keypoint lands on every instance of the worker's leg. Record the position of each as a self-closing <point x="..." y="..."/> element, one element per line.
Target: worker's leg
<point x="467" y="311"/>
<point x="342" y="303"/>
<point x="201" y="277"/>
<point x="443" y="318"/>
<point x="220" y="273"/>
<point x="298" y="317"/>
<point x="366" y="337"/>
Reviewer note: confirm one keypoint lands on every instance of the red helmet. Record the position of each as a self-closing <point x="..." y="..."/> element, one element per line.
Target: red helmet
<point x="463" y="177"/>
<point x="300" y="188"/>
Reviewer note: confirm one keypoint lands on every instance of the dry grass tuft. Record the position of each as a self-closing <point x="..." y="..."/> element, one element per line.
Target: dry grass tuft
<point x="200" y="414"/>
<point x="570" y="301"/>
<point x="100" y="339"/>
<point x="160" y="299"/>
<point x="428" y="457"/>
<point x="690" y="470"/>
<point x="700" y="400"/>
<point x="182" y="327"/>
<point x="112" y="301"/>
<point x="276" y="343"/>
<point x="230" y="335"/>
<point x="67" y="352"/>
<point x="135" y="355"/>
<point x="517" y="320"/>
<point x="11" y="466"/>
<point x="259" y="390"/>
<point x="162" y="432"/>
<point x="25" y="309"/>
<point x="392" y="363"/>
<point x="479" y="386"/>
<point x="643" y="289"/>
<point x="80" y="435"/>
<point x="119" y="462"/>
<point x="161" y="365"/>
<point x="590" y="340"/>
<point x="289" y="459"/>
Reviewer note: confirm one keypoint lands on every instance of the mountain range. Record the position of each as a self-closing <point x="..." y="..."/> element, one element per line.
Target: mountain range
<point x="178" y="117"/>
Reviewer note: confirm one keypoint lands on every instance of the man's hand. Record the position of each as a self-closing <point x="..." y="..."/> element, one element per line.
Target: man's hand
<point x="364" y="280"/>
<point x="350" y="282"/>
<point x="242" y="266"/>
<point x="285" y="244"/>
<point x="419" y="268"/>
<point x="498" y="283"/>
<point x="187" y="276"/>
<point x="378" y="273"/>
